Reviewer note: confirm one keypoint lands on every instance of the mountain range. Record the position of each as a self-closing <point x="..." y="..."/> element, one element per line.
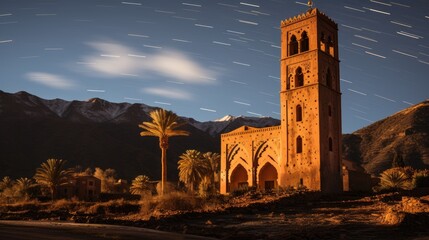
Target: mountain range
<point x="98" y="133"/>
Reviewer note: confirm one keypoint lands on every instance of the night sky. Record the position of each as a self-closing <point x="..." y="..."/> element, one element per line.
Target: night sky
<point x="209" y="58"/>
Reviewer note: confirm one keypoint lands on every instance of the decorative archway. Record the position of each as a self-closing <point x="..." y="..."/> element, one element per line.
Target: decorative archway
<point x="268" y="177"/>
<point x="238" y="165"/>
<point x="239" y="178"/>
<point x="267" y="164"/>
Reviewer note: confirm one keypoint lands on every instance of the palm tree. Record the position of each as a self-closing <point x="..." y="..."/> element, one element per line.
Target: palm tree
<point x="140" y="185"/>
<point x="163" y="126"/>
<point x="51" y="174"/>
<point x="6" y="182"/>
<point x="192" y="168"/>
<point x="213" y="160"/>
<point x="23" y="186"/>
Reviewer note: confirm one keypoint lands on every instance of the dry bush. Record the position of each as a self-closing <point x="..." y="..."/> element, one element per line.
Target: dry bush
<point x="169" y="187"/>
<point x="421" y="178"/>
<point x="147" y="204"/>
<point x="97" y="208"/>
<point x="120" y="206"/>
<point x="395" y="179"/>
<point x="178" y="201"/>
<point x="66" y="204"/>
<point x="214" y="202"/>
<point x="32" y="205"/>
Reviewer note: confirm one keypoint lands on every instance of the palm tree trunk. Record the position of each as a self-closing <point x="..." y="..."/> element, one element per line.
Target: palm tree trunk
<point x="163" y="144"/>
<point x="52" y="193"/>
<point x="163" y="169"/>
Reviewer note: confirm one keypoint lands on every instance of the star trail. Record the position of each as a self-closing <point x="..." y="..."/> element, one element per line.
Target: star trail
<point x="209" y="58"/>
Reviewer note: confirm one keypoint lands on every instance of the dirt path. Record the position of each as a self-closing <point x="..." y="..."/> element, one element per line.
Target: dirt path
<point x="25" y="230"/>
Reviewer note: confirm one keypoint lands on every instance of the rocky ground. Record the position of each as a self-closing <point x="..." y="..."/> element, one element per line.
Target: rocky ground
<point x="307" y="215"/>
<point x="310" y="216"/>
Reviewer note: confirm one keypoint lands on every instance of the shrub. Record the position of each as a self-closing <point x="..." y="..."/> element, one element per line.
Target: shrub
<point x="120" y="206"/>
<point x="174" y="201"/>
<point x="167" y="188"/>
<point x="239" y="192"/>
<point x="394" y="179"/>
<point x="205" y="189"/>
<point x="421" y="178"/>
<point x="61" y="204"/>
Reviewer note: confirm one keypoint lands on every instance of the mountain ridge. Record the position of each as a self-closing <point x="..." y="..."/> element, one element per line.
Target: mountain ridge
<point x="99" y="133"/>
<point x="405" y="133"/>
<point x="93" y="133"/>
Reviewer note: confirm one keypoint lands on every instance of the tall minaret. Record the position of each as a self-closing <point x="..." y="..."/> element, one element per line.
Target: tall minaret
<point x="310" y="102"/>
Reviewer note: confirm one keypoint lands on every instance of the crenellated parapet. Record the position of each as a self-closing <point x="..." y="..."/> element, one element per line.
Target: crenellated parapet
<point x="250" y="130"/>
<point x="310" y="13"/>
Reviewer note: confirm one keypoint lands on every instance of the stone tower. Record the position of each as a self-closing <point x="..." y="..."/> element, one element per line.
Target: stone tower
<point x="305" y="150"/>
<point x="310" y="102"/>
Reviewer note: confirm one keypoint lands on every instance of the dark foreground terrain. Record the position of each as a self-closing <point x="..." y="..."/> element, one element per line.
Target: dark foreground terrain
<point x="308" y="215"/>
<point x="23" y="230"/>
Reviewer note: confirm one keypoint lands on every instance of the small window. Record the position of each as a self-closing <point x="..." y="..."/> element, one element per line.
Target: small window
<point x="322" y="42"/>
<point x="288" y="82"/>
<point x="299" y="77"/>
<point x="298" y="113"/>
<point x="304" y="42"/>
<point x="299" y="144"/>
<point x="293" y="46"/>
<point x="330" y="144"/>
<point x="330" y="47"/>
<point x="90" y="183"/>
<point x="328" y="78"/>
<point x="329" y="110"/>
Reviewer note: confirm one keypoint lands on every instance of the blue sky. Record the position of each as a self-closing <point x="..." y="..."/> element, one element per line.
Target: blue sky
<point x="209" y="58"/>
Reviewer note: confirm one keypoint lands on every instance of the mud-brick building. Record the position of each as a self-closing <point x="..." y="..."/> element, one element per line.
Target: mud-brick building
<point x="304" y="151"/>
<point x="85" y="188"/>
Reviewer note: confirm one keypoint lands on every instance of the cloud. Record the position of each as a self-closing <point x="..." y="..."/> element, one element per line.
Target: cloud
<point x="113" y="60"/>
<point x="168" y="93"/>
<point x="175" y="64"/>
<point x="50" y="80"/>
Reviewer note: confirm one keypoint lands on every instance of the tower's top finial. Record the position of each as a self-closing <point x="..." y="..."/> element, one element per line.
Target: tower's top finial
<point x="310" y="4"/>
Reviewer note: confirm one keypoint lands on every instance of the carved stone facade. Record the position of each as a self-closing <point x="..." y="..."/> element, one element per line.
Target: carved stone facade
<point x="304" y="151"/>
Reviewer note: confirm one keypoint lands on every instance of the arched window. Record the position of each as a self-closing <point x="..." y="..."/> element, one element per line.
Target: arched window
<point x="322" y="42"/>
<point x="330" y="144"/>
<point x="299" y="144"/>
<point x="330" y="47"/>
<point x="304" y="42"/>
<point x="293" y="46"/>
<point x="328" y="78"/>
<point x="299" y="77"/>
<point x="288" y="82"/>
<point x="298" y="113"/>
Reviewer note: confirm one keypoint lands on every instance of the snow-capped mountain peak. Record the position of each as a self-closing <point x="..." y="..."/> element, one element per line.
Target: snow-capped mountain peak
<point x="226" y="118"/>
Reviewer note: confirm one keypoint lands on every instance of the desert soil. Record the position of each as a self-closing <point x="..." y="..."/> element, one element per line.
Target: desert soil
<point x="307" y="215"/>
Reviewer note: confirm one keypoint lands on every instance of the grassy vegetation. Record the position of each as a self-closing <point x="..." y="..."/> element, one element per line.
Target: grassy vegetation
<point x="403" y="178"/>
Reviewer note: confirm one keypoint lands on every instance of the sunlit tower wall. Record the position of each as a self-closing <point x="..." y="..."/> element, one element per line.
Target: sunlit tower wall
<point x="310" y="100"/>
